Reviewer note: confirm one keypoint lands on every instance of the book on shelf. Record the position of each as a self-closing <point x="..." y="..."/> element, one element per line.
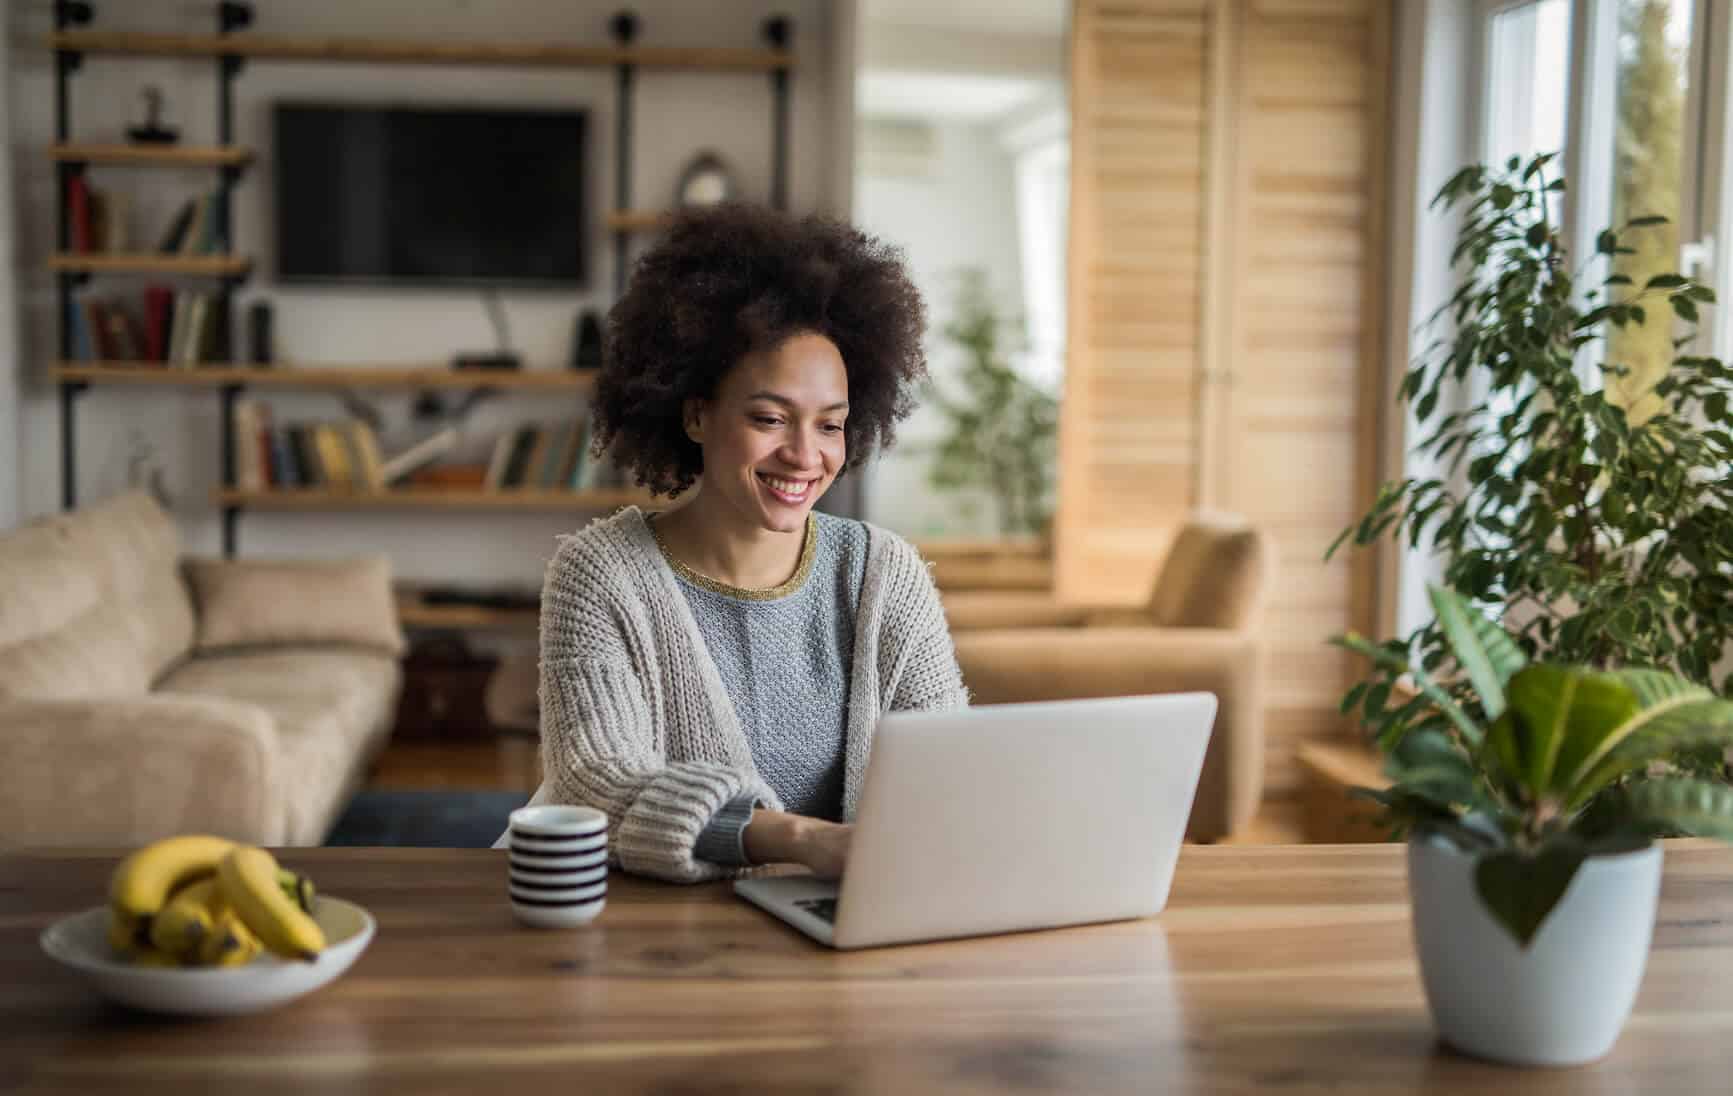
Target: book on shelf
<point x="99" y="219"/>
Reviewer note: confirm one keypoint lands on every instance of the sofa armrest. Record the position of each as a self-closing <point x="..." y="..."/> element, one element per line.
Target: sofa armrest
<point x="984" y="610"/>
<point x="127" y="771"/>
<point x="1030" y="664"/>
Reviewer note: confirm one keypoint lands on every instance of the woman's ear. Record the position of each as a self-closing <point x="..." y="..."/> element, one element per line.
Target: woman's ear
<point x="692" y="416"/>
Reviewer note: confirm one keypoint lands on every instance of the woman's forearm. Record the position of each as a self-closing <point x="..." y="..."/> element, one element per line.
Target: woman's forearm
<point x="774" y="837"/>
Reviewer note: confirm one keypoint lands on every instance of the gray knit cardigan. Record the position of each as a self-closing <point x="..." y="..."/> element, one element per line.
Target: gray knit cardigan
<point x="635" y="719"/>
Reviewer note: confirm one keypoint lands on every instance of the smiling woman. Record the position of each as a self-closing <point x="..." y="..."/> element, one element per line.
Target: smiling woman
<point x="711" y="676"/>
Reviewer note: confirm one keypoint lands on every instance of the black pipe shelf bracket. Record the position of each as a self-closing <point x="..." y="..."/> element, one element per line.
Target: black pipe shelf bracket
<point x="67" y="13"/>
<point x="779" y="34"/>
<point x="624" y="27"/>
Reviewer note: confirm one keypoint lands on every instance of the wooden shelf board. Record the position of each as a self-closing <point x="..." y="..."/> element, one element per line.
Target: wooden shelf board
<point x="397" y="51"/>
<point x="637" y="220"/>
<point x="412" y="612"/>
<point x="343" y="376"/>
<point x="430" y="498"/>
<point x="152" y="155"/>
<point x="145" y="262"/>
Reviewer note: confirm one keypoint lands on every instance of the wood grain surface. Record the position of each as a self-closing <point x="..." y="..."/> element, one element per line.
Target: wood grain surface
<point x="1273" y="970"/>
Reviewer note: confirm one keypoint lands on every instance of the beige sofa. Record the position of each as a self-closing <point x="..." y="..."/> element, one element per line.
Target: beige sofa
<point x="1201" y="630"/>
<point x="142" y="695"/>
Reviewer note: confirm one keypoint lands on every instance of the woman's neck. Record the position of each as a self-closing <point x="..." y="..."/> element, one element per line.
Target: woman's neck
<point x="714" y="540"/>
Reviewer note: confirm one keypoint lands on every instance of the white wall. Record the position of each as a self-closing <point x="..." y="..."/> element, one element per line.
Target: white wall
<point x="956" y="208"/>
<point x="676" y="114"/>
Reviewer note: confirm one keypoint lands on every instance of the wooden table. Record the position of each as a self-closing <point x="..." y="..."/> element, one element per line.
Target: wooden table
<point x="1278" y="969"/>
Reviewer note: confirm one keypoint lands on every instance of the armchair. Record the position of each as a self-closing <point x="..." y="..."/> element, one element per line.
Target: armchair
<point x="1201" y="630"/>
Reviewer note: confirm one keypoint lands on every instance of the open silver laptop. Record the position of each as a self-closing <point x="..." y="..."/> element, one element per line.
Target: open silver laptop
<point x="1011" y="817"/>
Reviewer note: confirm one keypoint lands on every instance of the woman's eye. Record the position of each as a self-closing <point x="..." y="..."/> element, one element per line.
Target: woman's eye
<point x="767" y="420"/>
<point x="833" y="427"/>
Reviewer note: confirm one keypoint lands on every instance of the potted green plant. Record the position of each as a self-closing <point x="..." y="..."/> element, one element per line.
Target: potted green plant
<point x="1597" y="518"/>
<point x="1531" y="811"/>
<point x="1002" y="430"/>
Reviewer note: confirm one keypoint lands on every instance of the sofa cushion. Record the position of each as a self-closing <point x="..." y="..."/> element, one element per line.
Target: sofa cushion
<point x="332" y="710"/>
<point x="1216" y="575"/>
<point x="256" y="603"/>
<point x="92" y="603"/>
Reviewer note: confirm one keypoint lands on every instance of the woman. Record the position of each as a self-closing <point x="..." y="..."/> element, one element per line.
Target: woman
<point x="711" y="676"/>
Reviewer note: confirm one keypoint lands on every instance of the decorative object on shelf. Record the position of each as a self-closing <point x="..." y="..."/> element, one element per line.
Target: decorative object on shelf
<point x="706" y="181"/>
<point x="1004" y="429"/>
<point x="1531" y="862"/>
<point x="143" y="469"/>
<point x="259" y="348"/>
<point x="502" y="358"/>
<point x="587" y="341"/>
<point x="153" y="132"/>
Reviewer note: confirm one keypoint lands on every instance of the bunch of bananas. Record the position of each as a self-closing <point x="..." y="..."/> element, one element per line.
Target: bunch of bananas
<point x="207" y="901"/>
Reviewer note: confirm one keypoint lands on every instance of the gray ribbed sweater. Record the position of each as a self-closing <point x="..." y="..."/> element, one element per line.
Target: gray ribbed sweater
<point x="634" y="716"/>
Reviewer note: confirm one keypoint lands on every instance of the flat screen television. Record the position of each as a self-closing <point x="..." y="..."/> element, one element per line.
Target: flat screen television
<point x="413" y="195"/>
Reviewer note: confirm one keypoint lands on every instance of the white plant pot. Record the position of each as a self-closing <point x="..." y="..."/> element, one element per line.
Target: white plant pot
<point x="1564" y="999"/>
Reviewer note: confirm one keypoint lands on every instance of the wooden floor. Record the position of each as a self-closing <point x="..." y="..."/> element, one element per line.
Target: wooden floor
<point x="507" y="763"/>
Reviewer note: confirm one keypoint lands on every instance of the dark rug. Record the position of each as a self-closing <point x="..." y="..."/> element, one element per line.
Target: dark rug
<point x="427" y="819"/>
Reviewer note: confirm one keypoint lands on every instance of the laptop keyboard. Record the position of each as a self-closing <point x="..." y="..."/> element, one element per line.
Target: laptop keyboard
<point x="822" y="908"/>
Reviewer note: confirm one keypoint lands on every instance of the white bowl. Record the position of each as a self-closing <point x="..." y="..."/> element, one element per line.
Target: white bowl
<point x="558" y="917"/>
<point x="550" y="820"/>
<point x="582" y="860"/>
<point x="576" y="888"/>
<point x="80" y="942"/>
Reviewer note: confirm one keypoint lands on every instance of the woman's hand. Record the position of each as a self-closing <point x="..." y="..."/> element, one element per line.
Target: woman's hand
<point x="777" y="837"/>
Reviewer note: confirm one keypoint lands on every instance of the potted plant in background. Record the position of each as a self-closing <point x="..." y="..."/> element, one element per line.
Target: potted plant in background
<point x="1003" y="428"/>
<point x="1603" y="538"/>
<point x="1530" y="814"/>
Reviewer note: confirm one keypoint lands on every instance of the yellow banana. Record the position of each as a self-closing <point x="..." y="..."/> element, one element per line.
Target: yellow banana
<point x="299" y="888"/>
<point x="230" y="942"/>
<point x="182" y="925"/>
<point x="127" y="935"/>
<point x="248" y="877"/>
<point x="143" y="882"/>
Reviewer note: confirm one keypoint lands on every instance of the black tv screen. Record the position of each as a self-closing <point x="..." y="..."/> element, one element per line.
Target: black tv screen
<point x="413" y="195"/>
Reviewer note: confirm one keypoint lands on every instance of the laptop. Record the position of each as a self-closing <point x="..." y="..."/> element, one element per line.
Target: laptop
<point x="1007" y="818"/>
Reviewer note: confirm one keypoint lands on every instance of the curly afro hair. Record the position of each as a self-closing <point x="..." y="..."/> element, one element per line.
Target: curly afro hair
<point x="733" y="279"/>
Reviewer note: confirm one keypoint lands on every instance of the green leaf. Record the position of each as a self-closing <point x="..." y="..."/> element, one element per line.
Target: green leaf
<point x="1664" y="281"/>
<point x="1487" y="653"/>
<point x="1672" y="714"/>
<point x="1471" y="734"/>
<point x="1564" y="711"/>
<point x="1520" y="891"/>
<point x="1685" y="308"/>
<point x="1606" y="242"/>
<point x="1696" y="807"/>
<point x="1645" y="222"/>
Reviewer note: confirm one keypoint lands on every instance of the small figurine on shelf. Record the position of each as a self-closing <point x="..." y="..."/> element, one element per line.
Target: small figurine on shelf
<point x="706" y="181"/>
<point x="153" y="132"/>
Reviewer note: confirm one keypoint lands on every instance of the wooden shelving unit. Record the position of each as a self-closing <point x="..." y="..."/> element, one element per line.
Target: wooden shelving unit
<point x="637" y="220"/>
<point x="149" y="262"/>
<point x="393" y="51"/>
<point x="413" y="612"/>
<point x="430" y="498"/>
<point x="151" y="155"/>
<point x="233" y="49"/>
<point x="316" y="377"/>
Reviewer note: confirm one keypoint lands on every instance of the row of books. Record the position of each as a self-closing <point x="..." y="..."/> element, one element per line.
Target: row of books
<point x="547" y="456"/>
<point x="100" y="220"/>
<point x="346" y="455"/>
<point x="168" y="327"/>
<point x="339" y="454"/>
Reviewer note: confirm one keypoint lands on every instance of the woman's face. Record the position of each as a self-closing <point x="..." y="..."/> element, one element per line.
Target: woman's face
<point x="773" y="434"/>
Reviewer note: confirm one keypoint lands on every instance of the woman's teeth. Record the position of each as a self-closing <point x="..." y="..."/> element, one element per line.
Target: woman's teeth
<point x="793" y="490"/>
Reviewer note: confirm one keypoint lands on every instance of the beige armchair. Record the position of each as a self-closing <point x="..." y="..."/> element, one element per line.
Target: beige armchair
<point x="1201" y="630"/>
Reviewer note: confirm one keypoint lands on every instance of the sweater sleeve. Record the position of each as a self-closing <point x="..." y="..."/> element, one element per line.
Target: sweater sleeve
<point x="926" y="676"/>
<point x="600" y="747"/>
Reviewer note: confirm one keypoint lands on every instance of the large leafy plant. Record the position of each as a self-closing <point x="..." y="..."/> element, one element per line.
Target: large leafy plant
<point x="1535" y="766"/>
<point x="1597" y="519"/>
<point x="1002" y="428"/>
